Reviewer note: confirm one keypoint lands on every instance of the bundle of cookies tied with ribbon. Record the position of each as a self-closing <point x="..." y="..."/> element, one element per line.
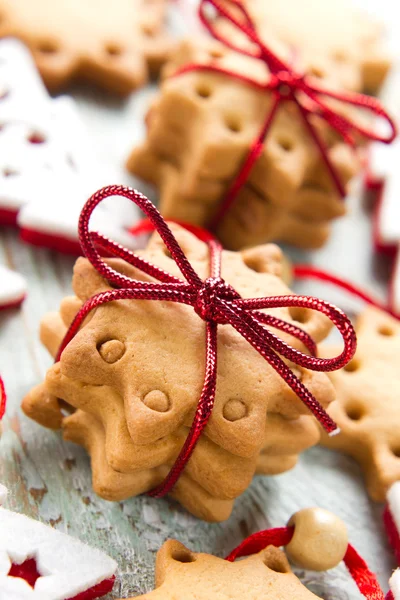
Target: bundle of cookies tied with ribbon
<point x="258" y="132"/>
<point x="183" y="368"/>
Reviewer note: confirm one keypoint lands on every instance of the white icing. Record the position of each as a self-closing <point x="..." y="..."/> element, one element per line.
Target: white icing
<point x="12" y="286"/>
<point x="394" y="583"/>
<point x="47" y="183"/>
<point x="393" y="499"/>
<point x="68" y="566"/>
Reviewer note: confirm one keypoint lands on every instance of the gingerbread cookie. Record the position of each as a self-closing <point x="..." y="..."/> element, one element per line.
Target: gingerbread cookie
<point x="366" y="409"/>
<point x="338" y="36"/>
<point x="200" y="130"/>
<point x="113" y="45"/>
<point x="39" y="563"/>
<point x="136" y="397"/>
<point x="185" y="575"/>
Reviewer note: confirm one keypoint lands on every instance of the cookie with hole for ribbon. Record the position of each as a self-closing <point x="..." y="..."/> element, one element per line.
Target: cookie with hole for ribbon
<point x="132" y="377"/>
<point x="339" y="36"/>
<point x="114" y="46"/>
<point x="366" y="407"/>
<point x="199" y="131"/>
<point x="314" y="539"/>
<point x="39" y="563"/>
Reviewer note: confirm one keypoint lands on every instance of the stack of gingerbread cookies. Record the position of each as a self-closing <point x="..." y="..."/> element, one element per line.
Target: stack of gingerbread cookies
<point x="203" y="123"/>
<point x="128" y="383"/>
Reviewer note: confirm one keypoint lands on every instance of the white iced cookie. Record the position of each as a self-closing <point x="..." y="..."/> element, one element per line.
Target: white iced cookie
<point x="12" y="288"/>
<point x="40" y="563"/>
<point x="47" y="170"/>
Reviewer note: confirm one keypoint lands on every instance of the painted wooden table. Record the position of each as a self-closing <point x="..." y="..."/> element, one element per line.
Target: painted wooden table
<point x="50" y="479"/>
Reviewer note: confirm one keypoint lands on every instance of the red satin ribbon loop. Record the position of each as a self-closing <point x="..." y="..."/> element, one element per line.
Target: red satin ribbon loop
<point x="217" y="303"/>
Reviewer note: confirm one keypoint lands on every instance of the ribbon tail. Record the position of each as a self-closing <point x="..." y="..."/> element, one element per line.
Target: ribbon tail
<point x="255" y="334"/>
<point x="203" y="413"/>
<point x="366" y="581"/>
<point x="323" y="150"/>
<point x="244" y="173"/>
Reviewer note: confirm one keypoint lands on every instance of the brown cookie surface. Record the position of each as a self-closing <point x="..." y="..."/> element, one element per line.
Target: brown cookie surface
<point x="185" y="575"/>
<point x="367" y="408"/>
<point x="112" y="44"/>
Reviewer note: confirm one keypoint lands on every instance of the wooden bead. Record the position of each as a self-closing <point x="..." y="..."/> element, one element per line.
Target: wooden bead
<point x="319" y="540"/>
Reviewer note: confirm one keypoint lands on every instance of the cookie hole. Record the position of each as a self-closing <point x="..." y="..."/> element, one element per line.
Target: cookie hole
<point x="9" y="172"/>
<point x="183" y="555"/>
<point x="274" y="562"/>
<point x="339" y="56"/>
<point x="233" y="123"/>
<point x="148" y="31"/>
<point x="158" y="401"/>
<point x="65" y="409"/>
<point x="111" y="350"/>
<point x="255" y="264"/>
<point x="216" y="53"/>
<point x="113" y="50"/>
<point x="36" y="138"/>
<point x="203" y="90"/>
<point x="234" y="410"/>
<point x="286" y="144"/>
<point x="298" y="314"/>
<point x="352" y="366"/>
<point x="48" y="47"/>
<point x="166" y="252"/>
<point x="317" y="72"/>
<point x="355" y="412"/>
<point x="396" y="451"/>
<point x="386" y="330"/>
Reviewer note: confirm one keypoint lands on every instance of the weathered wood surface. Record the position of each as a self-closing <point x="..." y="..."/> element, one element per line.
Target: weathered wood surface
<point x="50" y="479"/>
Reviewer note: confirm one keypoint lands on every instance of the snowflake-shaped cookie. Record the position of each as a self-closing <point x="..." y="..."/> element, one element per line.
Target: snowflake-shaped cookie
<point x="185" y="575"/>
<point x="113" y="44"/>
<point x="40" y="563"/>
<point x="46" y="170"/>
<point x="367" y="405"/>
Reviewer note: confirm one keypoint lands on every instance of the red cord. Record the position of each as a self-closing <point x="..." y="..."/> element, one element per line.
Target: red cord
<point x="365" y="580"/>
<point x="310" y="272"/>
<point x="3" y="398"/>
<point x="285" y="85"/>
<point x="214" y="301"/>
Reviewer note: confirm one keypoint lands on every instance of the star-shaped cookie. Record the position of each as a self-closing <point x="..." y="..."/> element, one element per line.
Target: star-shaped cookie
<point x="184" y="575"/>
<point x="113" y="44"/>
<point x="367" y="408"/>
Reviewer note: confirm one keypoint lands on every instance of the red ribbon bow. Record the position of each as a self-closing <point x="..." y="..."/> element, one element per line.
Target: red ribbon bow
<point x="285" y="85"/>
<point x="216" y="302"/>
<point x="365" y="580"/>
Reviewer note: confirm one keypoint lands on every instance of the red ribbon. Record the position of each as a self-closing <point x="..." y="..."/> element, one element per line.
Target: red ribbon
<point x="285" y="84"/>
<point x="217" y="303"/>
<point x="310" y="272"/>
<point x="366" y="581"/>
<point x="3" y="398"/>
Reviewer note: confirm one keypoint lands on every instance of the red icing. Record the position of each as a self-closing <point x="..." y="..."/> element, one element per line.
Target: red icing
<point x="390" y="596"/>
<point x="392" y="532"/>
<point x="29" y="572"/>
<point x="26" y="570"/>
<point x="48" y="240"/>
<point x="13" y="304"/>
<point x="99" y="590"/>
<point x="8" y="216"/>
